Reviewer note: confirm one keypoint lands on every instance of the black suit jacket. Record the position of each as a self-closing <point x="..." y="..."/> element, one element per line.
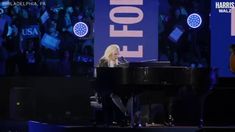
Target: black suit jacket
<point x="103" y="63"/>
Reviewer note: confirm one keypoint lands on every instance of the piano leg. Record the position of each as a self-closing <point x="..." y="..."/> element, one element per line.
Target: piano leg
<point x="170" y="117"/>
<point x="201" y="120"/>
<point x="202" y="103"/>
<point x="203" y="97"/>
<point x="132" y="124"/>
<point x="135" y="113"/>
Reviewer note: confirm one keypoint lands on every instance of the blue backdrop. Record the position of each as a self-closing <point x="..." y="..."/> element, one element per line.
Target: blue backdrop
<point x="139" y="16"/>
<point x="221" y="35"/>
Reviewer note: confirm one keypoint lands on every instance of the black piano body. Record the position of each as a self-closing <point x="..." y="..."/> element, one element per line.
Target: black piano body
<point x="139" y="77"/>
<point x="202" y="78"/>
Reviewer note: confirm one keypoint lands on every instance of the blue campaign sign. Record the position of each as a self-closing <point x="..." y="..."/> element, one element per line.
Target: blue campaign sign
<point x="31" y="31"/>
<point x="222" y="29"/>
<point x="131" y="24"/>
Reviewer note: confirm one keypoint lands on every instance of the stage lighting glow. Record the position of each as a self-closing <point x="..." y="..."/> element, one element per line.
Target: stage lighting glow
<point x="80" y="29"/>
<point x="194" y="20"/>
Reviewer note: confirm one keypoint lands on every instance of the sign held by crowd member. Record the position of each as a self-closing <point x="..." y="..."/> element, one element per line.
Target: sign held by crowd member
<point x="31" y="31"/>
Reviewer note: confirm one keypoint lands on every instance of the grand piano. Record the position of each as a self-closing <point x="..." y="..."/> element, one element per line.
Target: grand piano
<point x="140" y="76"/>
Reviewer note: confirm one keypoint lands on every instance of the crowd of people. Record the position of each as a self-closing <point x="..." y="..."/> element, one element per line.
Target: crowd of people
<point x="39" y="39"/>
<point x="178" y="43"/>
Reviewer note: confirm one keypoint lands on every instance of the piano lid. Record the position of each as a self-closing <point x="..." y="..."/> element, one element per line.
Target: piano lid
<point x="148" y="63"/>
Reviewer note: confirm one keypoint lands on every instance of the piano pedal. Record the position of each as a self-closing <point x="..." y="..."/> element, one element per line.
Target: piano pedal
<point x="170" y="122"/>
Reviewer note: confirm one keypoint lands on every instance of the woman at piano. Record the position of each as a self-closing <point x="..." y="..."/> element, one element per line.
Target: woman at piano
<point x="110" y="57"/>
<point x="110" y="99"/>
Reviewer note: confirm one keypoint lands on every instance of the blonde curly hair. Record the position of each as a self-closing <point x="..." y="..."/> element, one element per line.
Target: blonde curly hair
<point x="109" y="51"/>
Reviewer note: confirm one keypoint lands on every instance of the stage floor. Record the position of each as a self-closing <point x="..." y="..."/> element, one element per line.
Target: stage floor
<point x="33" y="126"/>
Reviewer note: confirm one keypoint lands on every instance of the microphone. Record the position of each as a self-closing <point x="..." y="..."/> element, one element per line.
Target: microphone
<point x="123" y="60"/>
